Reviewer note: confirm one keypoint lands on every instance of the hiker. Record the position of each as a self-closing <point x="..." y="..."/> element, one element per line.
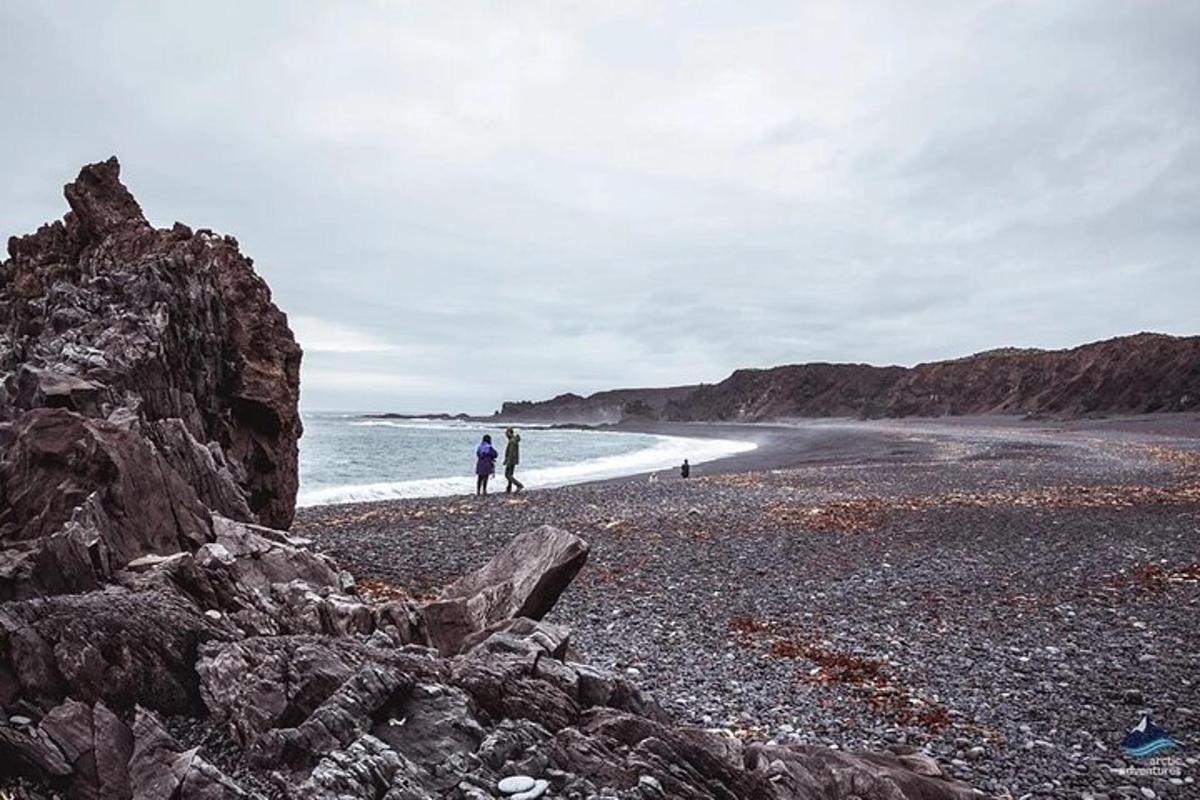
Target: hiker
<point x="686" y="470"/>
<point x="485" y="464"/>
<point x="512" y="457"/>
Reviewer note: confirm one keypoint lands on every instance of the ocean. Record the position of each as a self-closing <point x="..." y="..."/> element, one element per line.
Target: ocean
<point x="349" y="458"/>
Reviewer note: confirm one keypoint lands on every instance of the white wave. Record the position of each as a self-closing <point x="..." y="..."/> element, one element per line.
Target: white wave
<point x="667" y="452"/>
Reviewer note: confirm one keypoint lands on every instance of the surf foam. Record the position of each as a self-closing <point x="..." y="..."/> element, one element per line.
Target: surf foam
<point x="667" y="453"/>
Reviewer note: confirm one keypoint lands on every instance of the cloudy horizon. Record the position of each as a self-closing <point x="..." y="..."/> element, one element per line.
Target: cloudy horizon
<point x="510" y="201"/>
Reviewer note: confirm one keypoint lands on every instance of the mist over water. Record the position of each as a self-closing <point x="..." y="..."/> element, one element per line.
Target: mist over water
<point x="346" y="458"/>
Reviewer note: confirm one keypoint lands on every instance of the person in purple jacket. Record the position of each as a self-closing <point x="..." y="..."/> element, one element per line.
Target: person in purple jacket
<point x="485" y="464"/>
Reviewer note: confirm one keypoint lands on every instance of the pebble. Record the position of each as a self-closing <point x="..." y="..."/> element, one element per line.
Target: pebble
<point x="515" y="784"/>
<point x="537" y="790"/>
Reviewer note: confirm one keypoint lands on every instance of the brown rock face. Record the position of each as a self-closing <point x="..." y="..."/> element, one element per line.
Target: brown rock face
<point x="108" y="317"/>
<point x="81" y="498"/>
<point x="1139" y="374"/>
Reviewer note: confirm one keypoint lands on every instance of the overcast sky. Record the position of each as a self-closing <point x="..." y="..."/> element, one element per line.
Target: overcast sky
<point x="462" y="203"/>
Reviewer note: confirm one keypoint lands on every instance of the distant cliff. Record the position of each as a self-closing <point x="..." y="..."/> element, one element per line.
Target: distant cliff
<point x="609" y="406"/>
<point x="1143" y="373"/>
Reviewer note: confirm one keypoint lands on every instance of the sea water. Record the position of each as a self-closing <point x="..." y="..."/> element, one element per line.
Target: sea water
<point x="349" y="458"/>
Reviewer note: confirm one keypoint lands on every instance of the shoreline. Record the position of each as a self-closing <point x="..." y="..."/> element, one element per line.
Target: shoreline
<point x="841" y="441"/>
<point x="653" y="452"/>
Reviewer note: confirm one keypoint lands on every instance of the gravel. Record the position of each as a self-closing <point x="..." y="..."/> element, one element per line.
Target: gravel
<point x="1009" y="600"/>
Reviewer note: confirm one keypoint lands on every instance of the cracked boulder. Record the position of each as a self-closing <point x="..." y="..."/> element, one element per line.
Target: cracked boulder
<point x="524" y="579"/>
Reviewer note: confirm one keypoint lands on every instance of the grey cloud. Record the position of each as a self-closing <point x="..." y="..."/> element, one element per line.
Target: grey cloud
<point x="513" y="200"/>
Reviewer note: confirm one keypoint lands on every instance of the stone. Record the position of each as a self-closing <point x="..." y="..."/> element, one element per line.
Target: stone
<point x="535" y="791"/>
<point x="159" y="769"/>
<point x="90" y="753"/>
<point x="921" y="764"/>
<point x="70" y="483"/>
<point x="524" y="579"/>
<point x="368" y="768"/>
<point x="515" y="784"/>
<point x="114" y="646"/>
<point x="650" y="787"/>
<point x="520" y="635"/>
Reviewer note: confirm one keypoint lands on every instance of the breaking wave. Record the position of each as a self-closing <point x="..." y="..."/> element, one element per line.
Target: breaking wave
<point x="666" y="453"/>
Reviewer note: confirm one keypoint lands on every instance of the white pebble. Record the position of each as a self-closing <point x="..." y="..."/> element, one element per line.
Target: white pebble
<point x="539" y="789"/>
<point x="515" y="783"/>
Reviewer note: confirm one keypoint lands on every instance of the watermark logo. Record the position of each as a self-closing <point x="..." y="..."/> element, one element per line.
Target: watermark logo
<point x="1146" y="743"/>
<point x="1146" y="739"/>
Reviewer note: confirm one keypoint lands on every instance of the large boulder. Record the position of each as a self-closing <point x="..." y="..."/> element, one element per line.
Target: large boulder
<point x="121" y="647"/>
<point x="524" y="579"/>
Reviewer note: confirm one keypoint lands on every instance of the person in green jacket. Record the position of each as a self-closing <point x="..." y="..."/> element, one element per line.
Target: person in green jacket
<point x="512" y="457"/>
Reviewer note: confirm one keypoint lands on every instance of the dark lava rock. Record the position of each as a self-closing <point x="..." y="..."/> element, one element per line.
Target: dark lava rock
<point x="83" y="497"/>
<point x="106" y="316"/>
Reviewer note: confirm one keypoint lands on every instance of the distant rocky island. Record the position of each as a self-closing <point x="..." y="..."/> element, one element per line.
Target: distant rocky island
<point x="1142" y="373"/>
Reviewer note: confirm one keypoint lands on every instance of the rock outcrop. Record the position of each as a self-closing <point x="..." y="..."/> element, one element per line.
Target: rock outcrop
<point x="170" y="331"/>
<point x="1138" y="374"/>
<point x="148" y="429"/>
<point x="604" y="407"/>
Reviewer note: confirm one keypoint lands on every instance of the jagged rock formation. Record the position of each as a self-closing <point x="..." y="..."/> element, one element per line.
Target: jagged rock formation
<point x="170" y="330"/>
<point x="1136" y="374"/>
<point x="148" y="425"/>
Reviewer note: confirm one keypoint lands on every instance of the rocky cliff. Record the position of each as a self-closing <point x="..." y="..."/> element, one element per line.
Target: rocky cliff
<point x="162" y="637"/>
<point x="169" y="331"/>
<point x="1137" y="374"/>
<point x="596" y="409"/>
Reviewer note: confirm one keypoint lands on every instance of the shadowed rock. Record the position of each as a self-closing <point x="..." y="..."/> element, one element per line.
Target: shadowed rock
<point x="82" y="498"/>
<point x="92" y="754"/>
